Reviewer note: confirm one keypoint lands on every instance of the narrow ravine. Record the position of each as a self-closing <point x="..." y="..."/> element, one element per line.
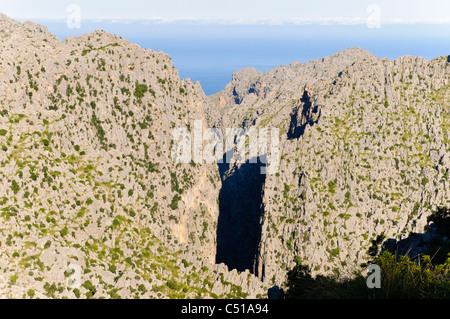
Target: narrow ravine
<point x="240" y="211"/>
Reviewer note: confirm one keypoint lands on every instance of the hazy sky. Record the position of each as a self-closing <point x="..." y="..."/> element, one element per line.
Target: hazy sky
<point x="210" y="39"/>
<point x="236" y="11"/>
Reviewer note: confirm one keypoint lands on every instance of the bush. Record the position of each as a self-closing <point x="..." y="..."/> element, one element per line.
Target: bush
<point x="175" y="200"/>
<point x="31" y="293"/>
<point x="100" y="132"/>
<point x="91" y="290"/>
<point x="77" y="292"/>
<point x="439" y="247"/>
<point x="441" y="217"/>
<point x="401" y="278"/>
<point x="140" y="90"/>
<point x="15" y="187"/>
<point x="172" y="284"/>
<point x="404" y="278"/>
<point x="425" y="181"/>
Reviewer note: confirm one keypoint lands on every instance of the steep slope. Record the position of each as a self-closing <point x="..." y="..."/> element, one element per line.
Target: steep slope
<point x="364" y="145"/>
<point x="89" y="190"/>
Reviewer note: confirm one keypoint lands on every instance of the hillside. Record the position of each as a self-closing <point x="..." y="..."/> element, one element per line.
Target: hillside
<point x="364" y="145"/>
<point x="87" y="174"/>
<point x="90" y="191"/>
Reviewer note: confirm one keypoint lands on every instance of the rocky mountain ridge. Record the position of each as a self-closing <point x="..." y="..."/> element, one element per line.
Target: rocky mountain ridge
<point x="93" y="205"/>
<point x="364" y="152"/>
<point x="89" y="189"/>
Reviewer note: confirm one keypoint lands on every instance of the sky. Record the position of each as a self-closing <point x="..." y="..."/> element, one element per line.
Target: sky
<point x="210" y="39"/>
<point x="236" y="11"/>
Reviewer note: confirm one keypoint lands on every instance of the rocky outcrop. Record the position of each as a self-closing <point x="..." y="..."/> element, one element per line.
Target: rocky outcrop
<point x="88" y="178"/>
<point x="303" y="114"/>
<point x="434" y="241"/>
<point x="364" y="144"/>
<point x="92" y="204"/>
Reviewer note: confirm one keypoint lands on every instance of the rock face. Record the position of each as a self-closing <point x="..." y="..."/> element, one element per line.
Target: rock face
<point x="364" y="149"/>
<point x="433" y="242"/>
<point x="306" y="112"/>
<point x="92" y="204"/>
<point x="87" y="177"/>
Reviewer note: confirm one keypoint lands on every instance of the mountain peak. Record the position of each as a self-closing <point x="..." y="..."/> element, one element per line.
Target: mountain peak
<point x="356" y="52"/>
<point x="246" y="74"/>
<point x="5" y="17"/>
<point x="349" y="56"/>
<point x="6" y="21"/>
<point x="25" y="30"/>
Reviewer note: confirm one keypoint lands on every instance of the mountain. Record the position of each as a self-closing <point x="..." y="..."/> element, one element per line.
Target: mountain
<point x="93" y="203"/>
<point x="89" y="190"/>
<point x="365" y="155"/>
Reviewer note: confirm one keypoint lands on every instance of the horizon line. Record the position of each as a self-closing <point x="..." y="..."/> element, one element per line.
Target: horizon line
<point x="343" y="21"/>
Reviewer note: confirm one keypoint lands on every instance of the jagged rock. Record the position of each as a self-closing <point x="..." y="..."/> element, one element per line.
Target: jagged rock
<point x="88" y="178"/>
<point x="87" y="173"/>
<point x="374" y="161"/>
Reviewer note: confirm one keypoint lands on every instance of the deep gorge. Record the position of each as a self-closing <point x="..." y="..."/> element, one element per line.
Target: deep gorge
<point x="240" y="210"/>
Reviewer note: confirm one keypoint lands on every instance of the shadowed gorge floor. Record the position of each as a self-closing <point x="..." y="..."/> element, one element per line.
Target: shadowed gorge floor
<point x="240" y="211"/>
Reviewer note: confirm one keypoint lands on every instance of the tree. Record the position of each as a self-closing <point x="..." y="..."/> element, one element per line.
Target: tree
<point x="140" y="90"/>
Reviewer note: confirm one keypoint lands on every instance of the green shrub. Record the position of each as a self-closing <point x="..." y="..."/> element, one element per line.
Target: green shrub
<point x="401" y="278"/>
<point x="175" y="200"/>
<point x="173" y="284"/>
<point x="140" y="90"/>
<point x="77" y="292"/>
<point x="15" y="187"/>
<point x="404" y="278"/>
<point x="91" y="290"/>
<point x="100" y="132"/>
<point x="31" y="293"/>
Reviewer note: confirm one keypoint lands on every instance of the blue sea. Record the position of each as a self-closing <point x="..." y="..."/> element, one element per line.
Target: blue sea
<point x="212" y="53"/>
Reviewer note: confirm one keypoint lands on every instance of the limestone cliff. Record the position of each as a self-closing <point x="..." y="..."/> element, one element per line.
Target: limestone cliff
<point x="87" y="177"/>
<point x="88" y="184"/>
<point x="364" y="152"/>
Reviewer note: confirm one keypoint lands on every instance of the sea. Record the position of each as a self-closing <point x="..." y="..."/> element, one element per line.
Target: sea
<point x="210" y="54"/>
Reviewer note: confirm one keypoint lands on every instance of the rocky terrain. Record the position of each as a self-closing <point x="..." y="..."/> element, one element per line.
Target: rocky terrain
<point x="92" y="204"/>
<point x="88" y="184"/>
<point x="364" y="154"/>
